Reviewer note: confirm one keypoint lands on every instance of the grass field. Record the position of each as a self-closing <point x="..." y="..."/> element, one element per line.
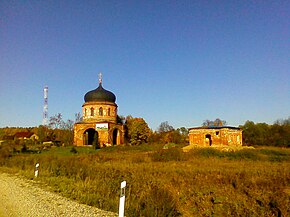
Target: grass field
<point x="166" y="182"/>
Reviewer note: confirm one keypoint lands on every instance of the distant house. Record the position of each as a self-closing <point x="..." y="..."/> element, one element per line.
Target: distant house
<point x="215" y="136"/>
<point x="26" y="136"/>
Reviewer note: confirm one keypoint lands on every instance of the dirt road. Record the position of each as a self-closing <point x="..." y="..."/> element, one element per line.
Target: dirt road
<point x="20" y="197"/>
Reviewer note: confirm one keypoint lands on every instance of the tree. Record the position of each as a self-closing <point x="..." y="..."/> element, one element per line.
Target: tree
<point x="256" y="134"/>
<point x="164" y="127"/>
<point x="120" y="119"/>
<point x="249" y="133"/>
<point x="172" y="136"/>
<point x="138" y="131"/>
<point x="42" y="132"/>
<point x="56" y="122"/>
<point x="217" y="123"/>
<point x="62" y="130"/>
<point x="281" y="133"/>
<point x="78" y="117"/>
<point x="207" y="123"/>
<point x="167" y="134"/>
<point x="262" y="134"/>
<point x="183" y="133"/>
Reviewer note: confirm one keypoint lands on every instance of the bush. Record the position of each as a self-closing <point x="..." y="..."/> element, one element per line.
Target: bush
<point x="171" y="154"/>
<point x="243" y="154"/>
<point x="157" y="202"/>
<point x="24" y="148"/>
<point x="73" y="150"/>
<point x="210" y="152"/>
<point x="273" y="152"/>
<point x="5" y="151"/>
<point x="275" y="155"/>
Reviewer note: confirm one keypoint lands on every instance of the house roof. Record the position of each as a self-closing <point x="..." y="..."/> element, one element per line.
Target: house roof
<point x="214" y="127"/>
<point x="23" y="134"/>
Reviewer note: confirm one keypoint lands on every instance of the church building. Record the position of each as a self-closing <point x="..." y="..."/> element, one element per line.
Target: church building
<point x="99" y="125"/>
<point x="216" y="136"/>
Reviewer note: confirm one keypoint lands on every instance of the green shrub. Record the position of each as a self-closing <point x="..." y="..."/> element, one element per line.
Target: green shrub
<point x="24" y="148"/>
<point x="210" y="152"/>
<point x="279" y="158"/>
<point x="169" y="145"/>
<point x="5" y="151"/>
<point x="271" y="152"/>
<point x="275" y="155"/>
<point x="171" y="154"/>
<point x="243" y="155"/>
<point x="73" y="150"/>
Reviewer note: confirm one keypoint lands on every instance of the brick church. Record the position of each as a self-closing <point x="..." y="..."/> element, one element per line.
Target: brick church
<point x="217" y="136"/>
<point x="99" y="126"/>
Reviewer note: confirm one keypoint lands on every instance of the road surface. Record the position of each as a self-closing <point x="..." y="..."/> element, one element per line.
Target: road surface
<point x="20" y="197"/>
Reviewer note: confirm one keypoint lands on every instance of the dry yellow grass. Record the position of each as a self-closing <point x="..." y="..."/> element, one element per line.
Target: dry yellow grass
<point x="201" y="182"/>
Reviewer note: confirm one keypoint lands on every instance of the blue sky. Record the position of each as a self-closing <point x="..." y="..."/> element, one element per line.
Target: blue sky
<point x="176" y="61"/>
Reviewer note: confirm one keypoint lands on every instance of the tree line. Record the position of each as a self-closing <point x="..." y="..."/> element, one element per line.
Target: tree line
<point x="138" y="131"/>
<point x="57" y="130"/>
<point x="262" y="134"/>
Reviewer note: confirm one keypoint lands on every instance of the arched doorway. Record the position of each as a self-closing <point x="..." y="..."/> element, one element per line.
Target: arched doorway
<point x="208" y="139"/>
<point x="91" y="137"/>
<point x="116" y="137"/>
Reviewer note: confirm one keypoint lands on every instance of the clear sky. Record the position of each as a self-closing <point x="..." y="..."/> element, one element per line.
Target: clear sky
<point x="176" y="61"/>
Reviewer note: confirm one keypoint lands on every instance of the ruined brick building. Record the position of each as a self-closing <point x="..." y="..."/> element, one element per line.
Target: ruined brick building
<point x="99" y="124"/>
<point x="215" y="136"/>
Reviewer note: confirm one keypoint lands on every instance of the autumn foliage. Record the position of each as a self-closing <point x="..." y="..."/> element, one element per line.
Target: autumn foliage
<point x="138" y="131"/>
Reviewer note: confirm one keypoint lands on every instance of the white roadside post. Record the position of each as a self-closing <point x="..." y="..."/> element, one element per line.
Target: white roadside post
<point x="122" y="199"/>
<point x="36" y="170"/>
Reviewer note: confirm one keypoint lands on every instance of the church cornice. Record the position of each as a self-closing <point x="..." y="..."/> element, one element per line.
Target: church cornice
<point x="99" y="103"/>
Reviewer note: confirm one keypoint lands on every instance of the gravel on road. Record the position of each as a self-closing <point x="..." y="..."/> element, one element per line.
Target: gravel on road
<point x="21" y="197"/>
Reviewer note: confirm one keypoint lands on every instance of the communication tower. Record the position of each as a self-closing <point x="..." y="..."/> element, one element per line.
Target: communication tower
<point x="45" y="106"/>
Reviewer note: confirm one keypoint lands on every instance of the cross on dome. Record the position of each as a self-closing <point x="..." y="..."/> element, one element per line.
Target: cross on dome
<point x="100" y="78"/>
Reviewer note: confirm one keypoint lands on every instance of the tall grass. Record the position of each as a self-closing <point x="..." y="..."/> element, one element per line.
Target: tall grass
<point x="203" y="182"/>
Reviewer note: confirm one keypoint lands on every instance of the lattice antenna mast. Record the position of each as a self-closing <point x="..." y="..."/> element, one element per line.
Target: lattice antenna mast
<point x="45" y="106"/>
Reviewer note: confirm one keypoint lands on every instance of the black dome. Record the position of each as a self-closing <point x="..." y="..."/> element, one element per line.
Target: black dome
<point x="100" y="95"/>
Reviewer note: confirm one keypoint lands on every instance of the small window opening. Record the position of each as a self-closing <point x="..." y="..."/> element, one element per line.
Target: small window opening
<point x="217" y="133"/>
<point x="101" y="111"/>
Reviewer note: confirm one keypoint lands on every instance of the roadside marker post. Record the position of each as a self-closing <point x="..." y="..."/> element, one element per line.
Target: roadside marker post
<point x="36" y="170"/>
<point x="122" y="199"/>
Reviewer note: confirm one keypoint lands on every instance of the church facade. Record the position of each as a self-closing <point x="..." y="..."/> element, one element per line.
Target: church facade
<point x="99" y="126"/>
<point x="215" y="136"/>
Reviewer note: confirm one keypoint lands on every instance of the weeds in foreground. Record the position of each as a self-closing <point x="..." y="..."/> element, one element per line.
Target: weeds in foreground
<point x="203" y="182"/>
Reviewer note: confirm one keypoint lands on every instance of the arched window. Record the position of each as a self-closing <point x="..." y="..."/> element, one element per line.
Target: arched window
<point x="101" y="111"/>
<point x="92" y="111"/>
<point x="109" y="112"/>
<point x="85" y="110"/>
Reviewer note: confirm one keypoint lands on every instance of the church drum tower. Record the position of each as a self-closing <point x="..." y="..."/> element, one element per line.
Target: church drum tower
<point x="99" y="126"/>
